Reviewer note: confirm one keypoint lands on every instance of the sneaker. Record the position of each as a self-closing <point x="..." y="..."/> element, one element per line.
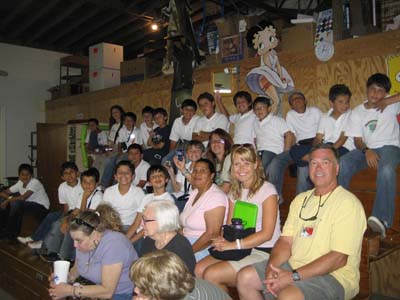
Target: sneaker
<point x="376" y="225"/>
<point x="35" y="245"/>
<point x="24" y="240"/>
<point x="51" y="257"/>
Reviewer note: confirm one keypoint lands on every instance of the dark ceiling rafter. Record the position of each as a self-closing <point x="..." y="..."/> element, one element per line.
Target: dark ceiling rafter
<point x="59" y="18"/>
<point x="34" y="17"/>
<point x="11" y="16"/>
<point x="78" y="35"/>
<point x="71" y="26"/>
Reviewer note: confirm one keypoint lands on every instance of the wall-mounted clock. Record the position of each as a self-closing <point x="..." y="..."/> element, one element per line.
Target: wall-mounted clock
<point x="324" y="50"/>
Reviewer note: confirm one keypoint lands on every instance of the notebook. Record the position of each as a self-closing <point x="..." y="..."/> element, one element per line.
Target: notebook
<point x="247" y="212"/>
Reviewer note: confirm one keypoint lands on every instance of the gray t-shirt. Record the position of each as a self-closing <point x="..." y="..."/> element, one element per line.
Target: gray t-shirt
<point x="113" y="248"/>
<point x="204" y="290"/>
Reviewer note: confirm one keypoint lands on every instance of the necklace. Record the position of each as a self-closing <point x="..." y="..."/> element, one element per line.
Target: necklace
<point x="91" y="254"/>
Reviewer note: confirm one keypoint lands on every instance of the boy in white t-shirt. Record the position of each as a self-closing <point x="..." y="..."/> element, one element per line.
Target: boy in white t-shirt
<point x="331" y="129"/>
<point x="68" y="194"/>
<point x="302" y="121"/>
<point x="96" y="139"/>
<point x="243" y="120"/>
<point x="375" y="129"/>
<point x="273" y="136"/>
<point x="32" y="199"/>
<point x="147" y="125"/>
<point x="128" y="134"/>
<point x="158" y="177"/>
<point x="135" y="156"/>
<point x="210" y="120"/>
<point x="125" y="198"/>
<point x="58" y="242"/>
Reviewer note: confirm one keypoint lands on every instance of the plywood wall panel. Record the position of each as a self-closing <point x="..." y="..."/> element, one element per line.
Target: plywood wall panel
<point x="354" y="61"/>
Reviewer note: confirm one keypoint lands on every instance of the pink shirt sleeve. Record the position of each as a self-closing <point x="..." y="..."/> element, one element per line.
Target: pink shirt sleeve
<point x="192" y="217"/>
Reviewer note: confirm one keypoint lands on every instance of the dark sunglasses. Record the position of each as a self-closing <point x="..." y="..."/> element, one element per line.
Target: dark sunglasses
<point x="81" y="222"/>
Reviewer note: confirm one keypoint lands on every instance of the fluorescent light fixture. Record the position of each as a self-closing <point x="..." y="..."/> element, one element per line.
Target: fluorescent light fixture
<point x="223" y="91"/>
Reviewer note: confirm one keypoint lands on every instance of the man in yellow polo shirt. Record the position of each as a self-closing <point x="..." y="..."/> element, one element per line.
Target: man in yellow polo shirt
<point x="318" y="254"/>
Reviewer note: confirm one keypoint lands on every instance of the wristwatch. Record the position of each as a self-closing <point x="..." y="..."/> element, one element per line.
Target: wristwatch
<point x="363" y="150"/>
<point x="295" y="275"/>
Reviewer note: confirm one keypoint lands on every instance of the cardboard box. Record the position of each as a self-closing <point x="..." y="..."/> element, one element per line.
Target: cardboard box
<point x="298" y="38"/>
<point x="140" y="67"/>
<point x="105" y="55"/>
<point x="102" y="78"/>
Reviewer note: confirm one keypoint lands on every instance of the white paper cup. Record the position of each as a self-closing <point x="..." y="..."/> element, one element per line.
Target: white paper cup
<point x="61" y="269"/>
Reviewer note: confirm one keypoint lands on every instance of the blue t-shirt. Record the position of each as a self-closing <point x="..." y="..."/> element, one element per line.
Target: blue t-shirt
<point x="113" y="248"/>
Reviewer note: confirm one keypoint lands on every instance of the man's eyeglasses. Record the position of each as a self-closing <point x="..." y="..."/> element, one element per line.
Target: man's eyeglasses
<point x="147" y="220"/>
<point x="81" y="222"/>
<point x="320" y="204"/>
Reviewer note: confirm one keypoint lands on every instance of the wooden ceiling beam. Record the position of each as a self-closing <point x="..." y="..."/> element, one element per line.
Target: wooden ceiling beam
<point x="56" y="20"/>
<point x="33" y="18"/>
<point x="11" y="16"/>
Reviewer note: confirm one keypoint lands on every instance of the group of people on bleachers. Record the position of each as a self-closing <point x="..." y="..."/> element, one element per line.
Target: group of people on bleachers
<point x="143" y="218"/>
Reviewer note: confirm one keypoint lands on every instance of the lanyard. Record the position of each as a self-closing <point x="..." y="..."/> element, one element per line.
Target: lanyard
<point x="91" y="197"/>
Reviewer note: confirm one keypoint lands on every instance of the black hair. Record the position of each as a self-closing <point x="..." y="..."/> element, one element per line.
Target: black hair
<point x="207" y="96"/>
<point x="194" y="143"/>
<point x="122" y="112"/>
<point x="380" y="80"/>
<point x="160" y="110"/>
<point x="155" y="169"/>
<point x="113" y="121"/>
<point x="91" y="172"/>
<point x="209" y="163"/>
<point x="242" y="94"/>
<point x="189" y="103"/>
<point x="94" y="120"/>
<point x="135" y="146"/>
<point x="263" y="100"/>
<point x="131" y="115"/>
<point x="147" y="109"/>
<point x="25" y="167"/>
<point x="255" y="29"/>
<point x="68" y="165"/>
<point x="125" y="163"/>
<point x="338" y="90"/>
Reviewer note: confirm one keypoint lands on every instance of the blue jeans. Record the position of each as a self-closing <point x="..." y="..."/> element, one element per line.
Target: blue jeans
<point x="276" y="170"/>
<point x="303" y="181"/>
<point x="15" y="212"/>
<point x="57" y="242"/>
<point x="389" y="159"/>
<point x="127" y="296"/>
<point x="44" y="227"/>
<point x="266" y="158"/>
<point x="109" y="166"/>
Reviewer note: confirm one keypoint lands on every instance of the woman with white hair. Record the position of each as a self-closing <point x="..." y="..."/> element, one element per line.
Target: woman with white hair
<point x="161" y="224"/>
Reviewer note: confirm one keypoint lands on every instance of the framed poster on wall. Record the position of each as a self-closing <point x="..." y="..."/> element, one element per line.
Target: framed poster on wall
<point x="231" y="48"/>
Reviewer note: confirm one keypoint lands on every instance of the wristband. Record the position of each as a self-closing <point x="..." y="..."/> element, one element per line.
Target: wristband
<point x="238" y="246"/>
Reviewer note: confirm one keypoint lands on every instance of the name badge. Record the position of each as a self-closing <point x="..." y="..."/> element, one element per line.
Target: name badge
<point x="307" y="231"/>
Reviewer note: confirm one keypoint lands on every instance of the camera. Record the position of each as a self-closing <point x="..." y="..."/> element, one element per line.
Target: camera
<point x="180" y="154"/>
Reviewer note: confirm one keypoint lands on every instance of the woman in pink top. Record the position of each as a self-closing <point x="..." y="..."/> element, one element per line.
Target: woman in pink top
<point x="248" y="184"/>
<point x="205" y="211"/>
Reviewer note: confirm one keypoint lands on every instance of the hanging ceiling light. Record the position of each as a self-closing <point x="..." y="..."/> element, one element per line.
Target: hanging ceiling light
<point x="154" y="26"/>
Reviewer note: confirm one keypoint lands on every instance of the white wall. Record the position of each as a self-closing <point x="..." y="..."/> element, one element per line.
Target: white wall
<point x="22" y="95"/>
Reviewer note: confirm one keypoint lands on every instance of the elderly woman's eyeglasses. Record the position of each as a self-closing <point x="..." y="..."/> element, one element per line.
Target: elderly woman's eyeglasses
<point x="147" y="220"/>
<point x="82" y="222"/>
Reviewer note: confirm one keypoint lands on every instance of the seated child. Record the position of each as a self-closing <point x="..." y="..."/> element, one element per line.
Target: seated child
<point x="135" y="156"/>
<point x="32" y="199"/>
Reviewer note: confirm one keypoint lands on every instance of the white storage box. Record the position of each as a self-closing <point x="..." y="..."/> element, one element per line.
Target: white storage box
<point x="102" y="78"/>
<point x="105" y="55"/>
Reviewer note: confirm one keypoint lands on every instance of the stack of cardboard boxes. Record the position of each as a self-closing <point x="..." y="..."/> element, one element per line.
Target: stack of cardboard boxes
<point x="139" y="69"/>
<point x="104" y="66"/>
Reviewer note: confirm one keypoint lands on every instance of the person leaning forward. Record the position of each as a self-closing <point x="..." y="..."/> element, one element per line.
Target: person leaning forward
<point x="318" y="253"/>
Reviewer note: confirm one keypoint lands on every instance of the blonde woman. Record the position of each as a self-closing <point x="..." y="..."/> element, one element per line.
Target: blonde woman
<point x="248" y="184"/>
<point x="162" y="275"/>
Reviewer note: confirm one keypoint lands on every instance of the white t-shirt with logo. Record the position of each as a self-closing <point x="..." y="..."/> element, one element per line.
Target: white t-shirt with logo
<point x="376" y="128"/>
<point x="244" y="127"/>
<point x="332" y="128"/>
<point x="270" y="133"/>
<point x="39" y="195"/>
<point x="129" y="137"/>
<point x="305" y="125"/>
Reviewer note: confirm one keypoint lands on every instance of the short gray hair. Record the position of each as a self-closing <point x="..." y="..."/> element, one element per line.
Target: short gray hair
<point x="167" y="215"/>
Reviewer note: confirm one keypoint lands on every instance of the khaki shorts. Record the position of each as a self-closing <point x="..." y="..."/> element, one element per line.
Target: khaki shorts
<point x="254" y="257"/>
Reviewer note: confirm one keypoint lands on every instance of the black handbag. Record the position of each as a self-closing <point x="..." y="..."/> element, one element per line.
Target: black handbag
<point x="231" y="233"/>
